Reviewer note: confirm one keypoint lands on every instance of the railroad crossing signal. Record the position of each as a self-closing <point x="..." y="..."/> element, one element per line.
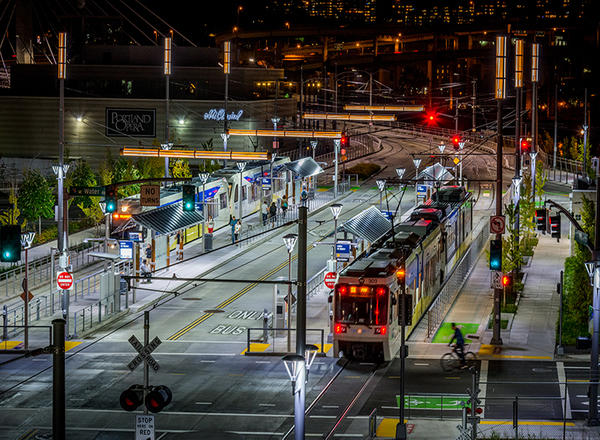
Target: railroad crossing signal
<point x="144" y="353"/>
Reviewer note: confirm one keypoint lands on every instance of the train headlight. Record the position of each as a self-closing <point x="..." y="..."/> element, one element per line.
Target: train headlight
<point x="381" y="330"/>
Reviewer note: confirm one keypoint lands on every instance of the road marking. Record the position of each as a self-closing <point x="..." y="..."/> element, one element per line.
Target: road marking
<point x="263" y="362"/>
<point x="28" y="435"/>
<point x="524" y="422"/>
<point x="483" y="377"/>
<point x="278" y="434"/>
<point x="394" y="377"/>
<point x="452" y="377"/>
<point x="330" y="406"/>
<point x="204" y="361"/>
<point x="163" y="435"/>
<point x="69" y="345"/>
<point x="266" y="404"/>
<point x="353" y="377"/>
<point x="387" y="427"/>
<point x="256" y="347"/>
<point x="566" y="405"/>
<point x="578" y="380"/>
<point x="576" y="368"/>
<point x="7" y="345"/>
<point x="514" y="356"/>
<point x="155" y="354"/>
<point x="421" y="364"/>
<point x="236" y="374"/>
<point x="203" y="403"/>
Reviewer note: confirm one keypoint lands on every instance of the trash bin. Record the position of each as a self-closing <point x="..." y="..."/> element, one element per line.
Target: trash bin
<point x="583" y="342"/>
<point x="208" y="242"/>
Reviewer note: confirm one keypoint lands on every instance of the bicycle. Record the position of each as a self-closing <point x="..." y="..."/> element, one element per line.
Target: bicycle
<point x="451" y="361"/>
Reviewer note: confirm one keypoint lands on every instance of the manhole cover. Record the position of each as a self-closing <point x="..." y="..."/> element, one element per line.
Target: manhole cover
<point x="191" y="299"/>
<point x="214" y="311"/>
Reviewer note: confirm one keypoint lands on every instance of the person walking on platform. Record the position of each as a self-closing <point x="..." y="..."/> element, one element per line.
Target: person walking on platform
<point x="232" y="223"/>
<point x="272" y="213"/>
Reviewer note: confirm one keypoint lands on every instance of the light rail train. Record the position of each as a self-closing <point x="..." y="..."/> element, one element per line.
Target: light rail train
<point x="414" y="260"/>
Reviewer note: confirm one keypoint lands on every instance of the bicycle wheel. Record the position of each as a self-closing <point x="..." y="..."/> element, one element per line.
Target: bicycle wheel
<point x="470" y="359"/>
<point x="448" y="362"/>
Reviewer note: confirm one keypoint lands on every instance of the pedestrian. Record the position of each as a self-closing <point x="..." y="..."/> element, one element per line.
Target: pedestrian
<point x="148" y="252"/>
<point x="460" y="344"/>
<point x="264" y="209"/>
<point x="232" y="223"/>
<point x="284" y="206"/>
<point x="146" y="271"/>
<point x="237" y="229"/>
<point x="210" y="225"/>
<point x="272" y="213"/>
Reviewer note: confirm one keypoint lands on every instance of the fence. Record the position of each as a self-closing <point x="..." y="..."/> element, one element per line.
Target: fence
<point x="44" y="306"/>
<point x="40" y="271"/>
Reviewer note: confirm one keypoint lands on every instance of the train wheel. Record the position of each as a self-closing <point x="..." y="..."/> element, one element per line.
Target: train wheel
<point x="448" y="362"/>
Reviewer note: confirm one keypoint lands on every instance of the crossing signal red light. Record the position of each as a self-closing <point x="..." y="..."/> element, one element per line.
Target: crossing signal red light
<point x="158" y="398"/>
<point x="431" y="118"/>
<point x="525" y="145"/>
<point x="132" y="397"/>
<point x="506" y="279"/>
<point x="455" y="141"/>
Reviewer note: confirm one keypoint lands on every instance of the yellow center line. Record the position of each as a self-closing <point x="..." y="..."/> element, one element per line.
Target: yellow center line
<point x="231" y="299"/>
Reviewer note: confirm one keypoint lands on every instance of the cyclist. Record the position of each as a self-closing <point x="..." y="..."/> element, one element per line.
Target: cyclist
<point x="459" y="349"/>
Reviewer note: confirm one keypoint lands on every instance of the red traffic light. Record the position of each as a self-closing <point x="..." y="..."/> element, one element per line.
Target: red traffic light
<point x="456" y="141"/>
<point x="343" y="151"/>
<point x="525" y="145"/>
<point x="344" y="140"/>
<point x="430" y="118"/>
<point x="505" y="280"/>
<point x="131" y="398"/>
<point x="158" y="398"/>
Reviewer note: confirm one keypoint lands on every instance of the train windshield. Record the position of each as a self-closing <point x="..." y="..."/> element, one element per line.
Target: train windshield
<point x="364" y="305"/>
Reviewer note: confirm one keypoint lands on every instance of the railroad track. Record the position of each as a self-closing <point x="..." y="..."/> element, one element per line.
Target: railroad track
<point x="330" y="411"/>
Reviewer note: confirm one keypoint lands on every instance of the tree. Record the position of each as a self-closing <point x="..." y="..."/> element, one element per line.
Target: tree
<point x="81" y="175"/>
<point x="11" y="216"/>
<point x="541" y="176"/>
<point x="150" y="167"/>
<point x="36" y="197"/>
<point x="93" y="212"/>
<point x="526" y="213"/>
<point x="181" y="168"/>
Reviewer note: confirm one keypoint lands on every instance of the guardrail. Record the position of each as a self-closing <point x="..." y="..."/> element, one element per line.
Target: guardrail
<point x="50" y="303"/>
<point x="281" y="342"/>
<point x="40" y="271"/>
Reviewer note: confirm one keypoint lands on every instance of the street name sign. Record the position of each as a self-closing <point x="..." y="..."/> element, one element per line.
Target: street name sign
<point x="64" y="281"/>
<point x="144" y="427"/>
<point x="97" y="191"/>
<point x="497" y="224"/>
<point x="144" y="353"/>
<point x="150" y="195"/>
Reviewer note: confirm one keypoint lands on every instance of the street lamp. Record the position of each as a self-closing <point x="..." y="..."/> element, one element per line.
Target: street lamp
<point x="295" y="367"/>
<point x="461" y="145"/>
<point x="314" y="144"/>
<point x="204" y="178"/>
<point x="166" y="146"/>
<point x="417" y="164"/>
<point x="516" y="181"/>
<point x="400" y="172"/>
<point x="273" y="157"/>
<point x="26" y="241"/>
<point x="290" y="241"/>
<point x="310" y="353"/>
<point x="241" y="166"/>
<point x="336" y="208"/>
<point x="441" y="147"/>
<point x="533" y="155"/>
<point x="381" y="186"/>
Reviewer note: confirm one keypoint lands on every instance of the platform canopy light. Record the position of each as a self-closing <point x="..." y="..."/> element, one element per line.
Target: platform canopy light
<point x="241" y="166"/>
<point x="286" y="133"/>
<point x="348" y="117"/>
<point x="400" y="172"/>
<point x="385" y="108"/>
<point x="417" y="163"/>
<point x="204" y="177"/>
<point x="195" y="154"/>
<point x="380" y="184"/>
<point x="500" y="89"/>
<point x="442" y="147"/>
<point x="336" y="209"/>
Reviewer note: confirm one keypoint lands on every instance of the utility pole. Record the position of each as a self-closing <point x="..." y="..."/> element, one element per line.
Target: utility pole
<point x="595" y="274"/>
<point x="519" y="54"/>
<point x="585" y="131"/>
<point x="555" y="123"/>
<point x="336" y="147"/>
<point x="167" y="73"/>
<point x="500" y="95"/>
<point x="301" y="318"/>
<point x="226" y="71"/>
<point x="473" y="100"/>
<point x="456" y="117"/>
<point x="535" y="72"/>
<point x="58" y="380"/>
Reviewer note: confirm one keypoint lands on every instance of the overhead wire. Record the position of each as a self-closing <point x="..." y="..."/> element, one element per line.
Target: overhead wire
<point x="131" y="23"/>
<point x="170" y="27"/>
<point x="154" y="28"/>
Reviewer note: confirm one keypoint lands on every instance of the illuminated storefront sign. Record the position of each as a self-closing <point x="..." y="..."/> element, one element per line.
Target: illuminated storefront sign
<point x="130" y="122"/>
<point x="219" y="115"/>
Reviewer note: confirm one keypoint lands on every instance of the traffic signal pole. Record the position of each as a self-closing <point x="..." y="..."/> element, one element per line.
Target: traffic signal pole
<point x="300" y="395"/>
<point x="496" y="338"/>
<point x="594" y="376"/>
<point x="146" y="366"/>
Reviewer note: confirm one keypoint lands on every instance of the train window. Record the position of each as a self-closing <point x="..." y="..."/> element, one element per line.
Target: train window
<point x="222" y="201"/>
<point x="244" y="192"/>
<point x="361" y="305"/>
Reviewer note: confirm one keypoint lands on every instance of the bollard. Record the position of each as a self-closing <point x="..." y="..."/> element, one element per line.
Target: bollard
<point x="4" y="323"/>
<point x="82" y="320"/>
<point x="37" y="310"/>
<point x="99" y="311"/>
<point x="265" y="326"/>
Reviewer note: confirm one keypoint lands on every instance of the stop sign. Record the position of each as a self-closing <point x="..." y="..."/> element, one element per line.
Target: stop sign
<point x="330" y="278"/>
<point x="64" y="281"/>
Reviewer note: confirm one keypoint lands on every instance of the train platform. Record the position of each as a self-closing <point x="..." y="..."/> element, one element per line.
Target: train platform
<point x="530" y="332"/>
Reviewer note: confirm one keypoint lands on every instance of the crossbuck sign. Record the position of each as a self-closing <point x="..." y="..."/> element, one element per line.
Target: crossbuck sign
<point x="144" y="353"/>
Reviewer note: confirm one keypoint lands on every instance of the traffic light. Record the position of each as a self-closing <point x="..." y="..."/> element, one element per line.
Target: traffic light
<point x="541" y="216"/>
<point x="407" y="299"/>
<point x="555" y="226"/>
<point x="496" y="254"/>
<point x="189" y="198"/>
<point x="110" y="199"/>
<point x="456" y="141"/>
<point x="506" y="280"/>
<point x="525" y="145"/>
<point x="132" y="397"/>
<point x="430" y="118"/>
<point x="10" y="243"/>
<point x="158" y="398"/>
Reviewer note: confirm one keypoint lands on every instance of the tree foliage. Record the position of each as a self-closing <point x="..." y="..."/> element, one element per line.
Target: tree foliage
<point x="93" y="212"/>
<point x="35" y="196"/>
<point x="526" y="214"/>
<point x="541" y="176"/>
<point x="11" y="216"/>
<point x="80" y="174"/>
<point x="181" y="168"/>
